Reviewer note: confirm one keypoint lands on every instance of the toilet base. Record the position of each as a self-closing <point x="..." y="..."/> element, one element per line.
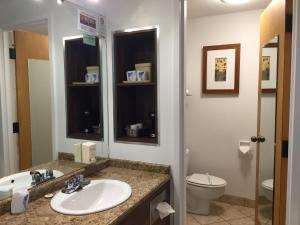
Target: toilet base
<point x="196" y="206"/>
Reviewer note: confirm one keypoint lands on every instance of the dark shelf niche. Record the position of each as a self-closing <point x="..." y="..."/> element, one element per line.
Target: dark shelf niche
<point x="134" y="101"/>
<point x="137" y="140"/>
<point x="83" y="85"/>
<point x="135" y="84"/>
<point x="81" y="97"/>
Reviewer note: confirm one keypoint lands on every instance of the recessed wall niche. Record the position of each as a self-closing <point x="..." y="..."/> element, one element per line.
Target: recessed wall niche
<point x="135" y="86"/>
<point x="84" y="96"/>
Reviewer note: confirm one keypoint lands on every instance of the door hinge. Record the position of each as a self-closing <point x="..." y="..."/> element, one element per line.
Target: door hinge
<point x="16" y="128"/>
<point x="12" y="53"/>
<point x="289" y="23"/>
<point x="285" y="149"/>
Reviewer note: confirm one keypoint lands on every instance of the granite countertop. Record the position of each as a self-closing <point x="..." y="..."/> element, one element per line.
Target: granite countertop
<point x="143" y="183"/>
<point x="64" y="166"/>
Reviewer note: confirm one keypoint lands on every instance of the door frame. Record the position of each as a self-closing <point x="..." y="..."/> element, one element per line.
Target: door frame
<point x="293" y="194"/>
<point x="8" y="105"/>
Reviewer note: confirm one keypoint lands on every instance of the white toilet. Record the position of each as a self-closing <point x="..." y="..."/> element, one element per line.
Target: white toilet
<point x="201" y="190"/>
<point x="268" y="189"/>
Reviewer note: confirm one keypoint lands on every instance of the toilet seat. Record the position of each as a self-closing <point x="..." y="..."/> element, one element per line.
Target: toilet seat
<point x="204" y="180"/>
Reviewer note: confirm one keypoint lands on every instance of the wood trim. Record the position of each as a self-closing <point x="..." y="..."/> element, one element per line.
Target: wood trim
<point x="271" y="45"/>
<point x="269" y="90"/>
<point x="237" y="48"/>
<point x="28" y="46"/>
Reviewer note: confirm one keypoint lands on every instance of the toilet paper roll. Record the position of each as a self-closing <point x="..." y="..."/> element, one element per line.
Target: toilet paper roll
<point x="245" y="149"/>
<point x="164" y="210"/>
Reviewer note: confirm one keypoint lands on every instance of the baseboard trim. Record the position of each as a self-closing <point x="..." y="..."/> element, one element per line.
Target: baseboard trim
<point x="235" y="200"/>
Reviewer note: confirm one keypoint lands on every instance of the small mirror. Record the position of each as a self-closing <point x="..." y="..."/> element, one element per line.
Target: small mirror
<point x="269" y="69"/>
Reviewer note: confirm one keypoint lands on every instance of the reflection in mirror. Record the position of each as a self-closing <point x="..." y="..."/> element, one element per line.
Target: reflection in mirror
<point x="34" y="93"/>
<point x="267" y="129"/>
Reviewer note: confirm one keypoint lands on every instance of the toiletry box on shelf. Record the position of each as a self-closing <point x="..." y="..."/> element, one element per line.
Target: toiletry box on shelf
<point x="142" y="132"/>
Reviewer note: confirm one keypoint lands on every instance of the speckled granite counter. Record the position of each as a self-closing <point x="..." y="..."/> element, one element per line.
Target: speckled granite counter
<point x="142" y="182"/>
<point x="64" y="166"/>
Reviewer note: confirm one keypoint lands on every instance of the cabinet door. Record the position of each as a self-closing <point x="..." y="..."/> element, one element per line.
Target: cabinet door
<point x="140" y="216"/>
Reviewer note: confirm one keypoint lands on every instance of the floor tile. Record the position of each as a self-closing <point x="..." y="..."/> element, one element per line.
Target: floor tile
<point x="221" y="223"/>
<point x="245" y="210"/>
<point x="244" y="221"/>
<point x="203" y="220"/>
<point x="224" y="214"/>
<point x="190" y="220"/>
<point x="231" y="213"/>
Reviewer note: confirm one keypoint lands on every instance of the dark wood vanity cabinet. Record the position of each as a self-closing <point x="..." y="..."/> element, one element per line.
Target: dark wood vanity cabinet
<point x="141" y="215"/>
<point x="83" y="100"/>
<point x="135" y="102"/>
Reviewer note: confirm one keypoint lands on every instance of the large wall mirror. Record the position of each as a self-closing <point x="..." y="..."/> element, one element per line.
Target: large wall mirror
<point x="269" y="69"/>
<point x="34" y="91"/>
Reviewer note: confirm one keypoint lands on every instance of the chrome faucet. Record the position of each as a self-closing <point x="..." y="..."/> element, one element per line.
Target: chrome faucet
<point x="75" y="184"/>
<point x="38" y="178"/>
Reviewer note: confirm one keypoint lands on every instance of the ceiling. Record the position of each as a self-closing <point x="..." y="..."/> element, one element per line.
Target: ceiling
<point x="201" y="8"/>
<point x="39" y="27"/>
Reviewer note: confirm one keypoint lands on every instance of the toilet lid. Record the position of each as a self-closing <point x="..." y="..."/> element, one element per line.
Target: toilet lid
<point x="268" y="184"/>
<point x="206" y="180"/>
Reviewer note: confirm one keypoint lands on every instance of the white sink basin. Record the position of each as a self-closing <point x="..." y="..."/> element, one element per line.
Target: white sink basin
<point x="98" y="196"/>
<point x="20" y="180"/>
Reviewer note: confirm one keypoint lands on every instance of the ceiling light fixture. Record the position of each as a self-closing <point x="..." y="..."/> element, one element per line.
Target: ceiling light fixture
<point x="235" y="2"/>
<point x="60" y="2"/>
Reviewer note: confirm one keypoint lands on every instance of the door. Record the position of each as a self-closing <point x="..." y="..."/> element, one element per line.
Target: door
<point x="40" y="110"/>
<point x="267" y="132"/>
<point x="28" y="46"/>
<point x="273" y="113"/>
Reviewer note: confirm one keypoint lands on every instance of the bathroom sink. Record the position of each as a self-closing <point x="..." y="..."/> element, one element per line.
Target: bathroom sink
<point x="98" y="196"/>
<point x="19" y="180"/>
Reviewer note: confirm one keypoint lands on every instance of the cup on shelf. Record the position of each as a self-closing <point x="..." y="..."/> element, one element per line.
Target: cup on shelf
<point x="142" y="76"/>
<point x="131" y="75"/>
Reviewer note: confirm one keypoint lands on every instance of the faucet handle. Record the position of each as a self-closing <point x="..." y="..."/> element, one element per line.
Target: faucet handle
<point x="49" y="173"/>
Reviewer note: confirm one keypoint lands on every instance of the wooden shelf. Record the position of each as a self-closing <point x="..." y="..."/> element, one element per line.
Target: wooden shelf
<point x="84" y="85"/>
<point x="138" y="139"/>
<point x="85" y="136"/>
<point x="136" y="84"/>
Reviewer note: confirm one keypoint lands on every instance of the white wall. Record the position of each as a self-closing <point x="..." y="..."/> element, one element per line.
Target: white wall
<point x="216" y="123"/>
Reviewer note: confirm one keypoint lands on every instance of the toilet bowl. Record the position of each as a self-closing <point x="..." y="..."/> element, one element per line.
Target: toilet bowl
<point x="268" y="189"/>
<point x="201" y="190"/>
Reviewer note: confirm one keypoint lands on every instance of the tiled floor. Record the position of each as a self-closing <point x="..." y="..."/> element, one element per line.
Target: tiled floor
<point x="265" y="214"/>
<point x="224" y="214"/>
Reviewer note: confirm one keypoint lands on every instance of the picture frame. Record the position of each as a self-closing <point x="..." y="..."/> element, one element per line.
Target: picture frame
<point x="269" y="68"/>
<point x="221" y="69"/>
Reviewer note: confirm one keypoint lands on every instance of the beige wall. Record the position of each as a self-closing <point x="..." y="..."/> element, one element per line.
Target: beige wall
<point x="216" y="124"/>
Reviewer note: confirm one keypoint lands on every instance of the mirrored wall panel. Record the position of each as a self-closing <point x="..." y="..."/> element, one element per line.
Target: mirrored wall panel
<point x="269" y="69"/>
<point x="51" y="94"/>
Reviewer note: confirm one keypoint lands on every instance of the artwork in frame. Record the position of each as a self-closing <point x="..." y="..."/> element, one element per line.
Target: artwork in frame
<point x="269" y="68"/>
<point x="221" y="69"/>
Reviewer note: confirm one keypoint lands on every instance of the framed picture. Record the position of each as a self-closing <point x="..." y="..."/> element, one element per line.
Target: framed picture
<point x="221" y="69"/>
<point x="269" y="68"/>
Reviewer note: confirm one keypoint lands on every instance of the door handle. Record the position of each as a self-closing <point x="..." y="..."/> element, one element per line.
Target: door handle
<point x="258" y="139"/>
